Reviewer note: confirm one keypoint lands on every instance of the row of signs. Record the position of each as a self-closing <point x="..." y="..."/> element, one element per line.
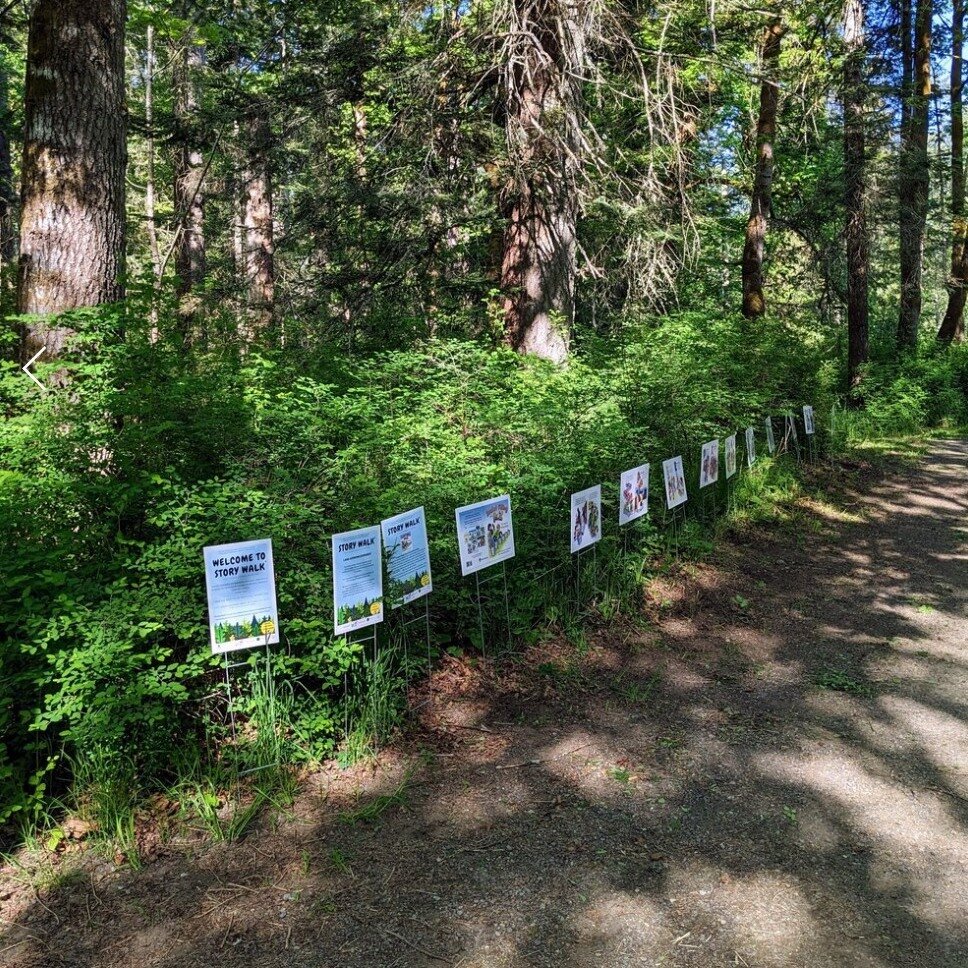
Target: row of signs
<point x="240" y="577"/>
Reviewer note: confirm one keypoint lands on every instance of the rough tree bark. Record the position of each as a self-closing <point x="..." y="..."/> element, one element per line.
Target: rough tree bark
<point x="907" y="62"/>
<point x="855" y="178"/>
<point x="754" y="301"/>
<point x="540" y="200"/>
<point x="151" y="225"/>
<point x="72" y="225"/>
<point x="913" y="181"/>
<point x="189" y="175"/>
<point x="6" y="183"/>
<point x="150" y="213"/>
<point x="952" y="324"/>
<point x="257" y="227"/>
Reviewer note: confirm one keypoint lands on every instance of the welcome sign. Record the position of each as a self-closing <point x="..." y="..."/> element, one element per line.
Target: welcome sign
<point x="241" y="584"/>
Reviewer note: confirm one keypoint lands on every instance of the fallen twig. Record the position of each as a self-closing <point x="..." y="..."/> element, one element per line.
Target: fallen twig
<point x="387" y="933"/>
<point x="547" y="759"/>
<point x="225" y="937"/>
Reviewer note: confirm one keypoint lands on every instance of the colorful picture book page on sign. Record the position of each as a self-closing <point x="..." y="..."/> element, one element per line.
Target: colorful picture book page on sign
<point x="750" y="447"/>
<point x="633" y="494"/>
<point x="709" y="466"/>
<point x="586" y="518"/>
<point x="485" y="534"/>
<point x="770" y="441"/>
<point x="675" y="482"/>
<point x="407" y="555"/>
<point x="357" y="579"/>
<point x="731" y="455"/>
<point x="241" y="585"/>
<point x="808" y="425"/>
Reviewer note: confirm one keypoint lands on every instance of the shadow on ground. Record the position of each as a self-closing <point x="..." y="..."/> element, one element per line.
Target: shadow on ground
<point x="774" y="774"/>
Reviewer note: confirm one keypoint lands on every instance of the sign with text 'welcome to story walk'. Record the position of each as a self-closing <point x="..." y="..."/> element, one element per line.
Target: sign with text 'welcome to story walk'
<point x="241" y="584"/>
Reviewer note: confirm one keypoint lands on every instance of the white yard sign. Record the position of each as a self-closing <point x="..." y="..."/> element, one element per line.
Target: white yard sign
<point x="709" y="467"/>
<point x="730" y="455"/>
<point x="633" y="497"/>
<point x="485" y="534"/>
<point x="586" y="518"/>
<point x="241" y="585"/>
<point x="675" y="482"/>
<point x="808" y="424"/>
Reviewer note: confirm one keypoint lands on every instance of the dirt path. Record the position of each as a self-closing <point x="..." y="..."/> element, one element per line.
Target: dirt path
<point x="774" y="773"/>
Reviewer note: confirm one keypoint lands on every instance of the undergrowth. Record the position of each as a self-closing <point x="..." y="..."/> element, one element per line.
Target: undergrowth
<point x="109" y="694"/>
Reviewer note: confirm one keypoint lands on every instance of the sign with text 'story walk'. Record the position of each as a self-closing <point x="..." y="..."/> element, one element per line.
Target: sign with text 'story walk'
<point x="241" y="584"/>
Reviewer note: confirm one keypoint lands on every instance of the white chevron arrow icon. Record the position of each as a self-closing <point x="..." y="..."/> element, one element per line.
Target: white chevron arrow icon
<point x="31" y="362"/>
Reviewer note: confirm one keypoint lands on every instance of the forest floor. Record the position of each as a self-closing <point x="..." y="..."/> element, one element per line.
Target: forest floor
<point x="768" y="767"/>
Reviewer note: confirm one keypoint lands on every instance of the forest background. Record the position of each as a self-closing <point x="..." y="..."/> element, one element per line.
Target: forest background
<point x="288" y="268"/>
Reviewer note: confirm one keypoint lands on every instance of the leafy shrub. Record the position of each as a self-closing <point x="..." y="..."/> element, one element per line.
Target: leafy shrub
<point x="110" y="491"/>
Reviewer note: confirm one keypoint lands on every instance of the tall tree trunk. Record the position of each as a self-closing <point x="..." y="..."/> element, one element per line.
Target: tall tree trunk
<point x="952" y="324"/>
<point x="257" y="227"/>
<point x="913" y="182"/>
<point x="72" y="226"/>
<point x="539" y="203"/>
<point x="6" y="184"/>
<point x="855" y="178"/>
<point x="150" y="207"/>
<point x="907" y="63"/>
<point x="189" y="174"/>
<point x="152" y="227"/>
<point x="754" y="301"/>
<point x="233" y="197"/>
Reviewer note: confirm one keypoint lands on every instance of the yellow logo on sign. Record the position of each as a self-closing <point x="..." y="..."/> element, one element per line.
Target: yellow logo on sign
<point x="425" y="580"/>
<point x="376" y="608"/>
<point x="267" y="628"/>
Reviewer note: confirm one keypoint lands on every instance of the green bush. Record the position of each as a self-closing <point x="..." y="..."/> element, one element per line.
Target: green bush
<point x="927" y="390"/>
<point x="109" y="492"/>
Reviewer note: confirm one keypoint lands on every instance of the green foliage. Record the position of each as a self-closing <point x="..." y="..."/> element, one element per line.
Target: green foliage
<point x="110" y="491"/>
<point x="838" y="679"/>
<point x="375" y="808"/>
<point x="927" y="390"/>
<point x="389" y="158"/>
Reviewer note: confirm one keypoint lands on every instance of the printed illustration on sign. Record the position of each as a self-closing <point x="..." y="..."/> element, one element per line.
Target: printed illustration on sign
<point x="709" y="468"/>
<point x="241" y="586"/>
<point x="586" y="517"/>
<point x="485" y="534"/>
<point x="407" y="557"/>
<point x="750" y="447"/>
<point x="633" y="499"/>
<point x="357" y="579"/>
<point x="731" y="455"/>
<point x="675" y="482"/>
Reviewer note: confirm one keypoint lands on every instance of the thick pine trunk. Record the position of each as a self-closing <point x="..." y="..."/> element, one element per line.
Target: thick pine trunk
<point x="189" y="175"/>
<point x="952" y="324"/>
<point x="754" y="301"/>
<point x="913" y="181"/>
<point x="855" y="178"/>
<point x="72" y="225"/>
<point x="539" y="203"/>
<point x="257" y="227"/>
<point x="538" y="270"/>
<point x="907" y="63"/>
<point x="6" y="184"/>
